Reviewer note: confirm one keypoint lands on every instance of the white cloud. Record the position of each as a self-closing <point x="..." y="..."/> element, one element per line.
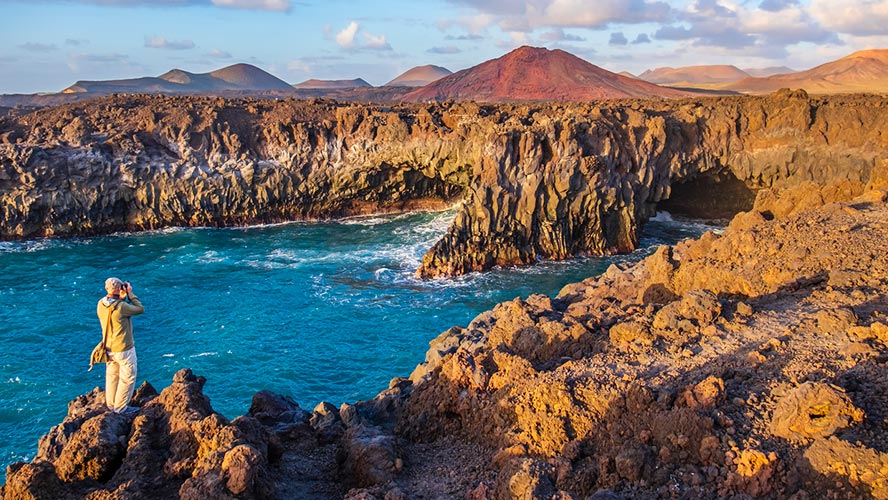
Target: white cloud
<point x="38" y="47"/>
<point x="464" y="38"/>
<point x="746" y="30"/>
<point x="618" y="38"/>
<point x="219" y="54"/>
<point x="579" y="13"/>
<point x="162" y="43"/>
<point x="559" y="35"/>
<point x="529" y="15"/>
<point x="376" y="42"/>
<point x="861" y="17"/>
<point x="447" y="49"/>
<point x="790" y="25"/>
<point x="275" y="5"/>
<point x="346" y="37"/>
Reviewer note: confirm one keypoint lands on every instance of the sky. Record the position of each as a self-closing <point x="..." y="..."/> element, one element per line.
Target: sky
<point x="47" y="45"/>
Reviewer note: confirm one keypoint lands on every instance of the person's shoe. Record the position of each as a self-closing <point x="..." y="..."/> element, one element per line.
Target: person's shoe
<point x="129" y="410"/>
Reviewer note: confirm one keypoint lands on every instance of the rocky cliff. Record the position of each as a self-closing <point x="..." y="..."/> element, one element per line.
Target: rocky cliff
<point x="542" y="181"/>
<point x="748" y="364"/>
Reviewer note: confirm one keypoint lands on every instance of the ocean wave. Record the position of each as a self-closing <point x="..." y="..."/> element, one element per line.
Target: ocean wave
<point x="371" y="220"/>
<point x="204" y="354"/>
<point x="210" y="257"/>
<point x="31" y="246"/>
<point x="662" y="217"/>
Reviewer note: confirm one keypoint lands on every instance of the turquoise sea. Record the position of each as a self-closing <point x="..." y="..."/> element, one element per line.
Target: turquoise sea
<point x="319" y="312"/>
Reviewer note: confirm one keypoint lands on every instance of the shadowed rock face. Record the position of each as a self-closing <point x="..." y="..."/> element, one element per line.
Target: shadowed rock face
<point x="536" y="181"/>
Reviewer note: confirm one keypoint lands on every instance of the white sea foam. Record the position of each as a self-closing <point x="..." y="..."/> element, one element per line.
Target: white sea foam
<point x="662" y="217"/>
<point x="31" y="246"/>
<point x="209" y="257"/>
<point x="203" y="354"/>
<point x="366" y="221"/>
<point x="168" y="355"/>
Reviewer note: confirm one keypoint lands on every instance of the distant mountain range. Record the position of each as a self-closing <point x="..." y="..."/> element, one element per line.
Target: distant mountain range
<point x="769" y="71"/>
<point x="526" y="73"/>
<point x="332" y="84"/>
<point x="690" y="76"/>
<point x="538" y="74"/>
<point x="694" y="74"/>
<point x="863" y="71"/>
<point x="235" y="77"/>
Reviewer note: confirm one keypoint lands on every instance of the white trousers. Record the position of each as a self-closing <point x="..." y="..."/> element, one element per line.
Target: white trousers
<point x="120" y="379"/>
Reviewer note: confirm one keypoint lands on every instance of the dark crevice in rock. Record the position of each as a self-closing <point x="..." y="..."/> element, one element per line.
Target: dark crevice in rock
<point x="709" y="195"/>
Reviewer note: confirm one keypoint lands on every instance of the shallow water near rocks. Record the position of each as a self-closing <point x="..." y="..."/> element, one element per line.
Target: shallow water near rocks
<point x="318" y="312"/>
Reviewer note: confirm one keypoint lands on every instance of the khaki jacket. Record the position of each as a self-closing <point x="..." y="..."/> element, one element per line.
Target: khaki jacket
<point x="120" y="338"/>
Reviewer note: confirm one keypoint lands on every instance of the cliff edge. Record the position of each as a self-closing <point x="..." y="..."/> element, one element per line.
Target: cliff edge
<point x="540" y="181"/>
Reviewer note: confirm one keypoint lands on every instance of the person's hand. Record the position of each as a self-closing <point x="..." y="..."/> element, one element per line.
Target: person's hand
<point x="128" y="288"/>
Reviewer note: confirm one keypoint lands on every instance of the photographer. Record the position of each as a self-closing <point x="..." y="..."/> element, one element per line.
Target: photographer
<point x="115" y="312"/>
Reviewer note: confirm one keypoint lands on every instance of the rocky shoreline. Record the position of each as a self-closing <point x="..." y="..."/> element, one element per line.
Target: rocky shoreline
<point x="533" y="181"/>
<point x="750" y="364"/>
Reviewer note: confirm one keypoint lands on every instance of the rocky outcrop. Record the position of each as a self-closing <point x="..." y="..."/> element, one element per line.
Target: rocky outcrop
<point x="542" y="181"/>
<point x="749" y="363"/>
<point x="746" y="363"/>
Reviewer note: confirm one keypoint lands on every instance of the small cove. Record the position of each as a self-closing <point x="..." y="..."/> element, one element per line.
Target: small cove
<point x="318" y="312"/>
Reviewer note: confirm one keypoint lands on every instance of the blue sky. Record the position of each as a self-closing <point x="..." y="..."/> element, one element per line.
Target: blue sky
<point x="46" y="45"/>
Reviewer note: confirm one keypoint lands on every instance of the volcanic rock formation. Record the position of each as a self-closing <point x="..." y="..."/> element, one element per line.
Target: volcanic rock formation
<point x="748" y="364"/>
<point x="532" y="181"/>
<point x="537" y="74"/>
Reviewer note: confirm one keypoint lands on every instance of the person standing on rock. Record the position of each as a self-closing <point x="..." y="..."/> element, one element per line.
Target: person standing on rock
<point x="115" y="311"/>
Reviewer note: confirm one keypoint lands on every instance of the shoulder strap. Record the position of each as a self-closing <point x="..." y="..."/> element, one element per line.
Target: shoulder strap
<point x="107" y="328"/>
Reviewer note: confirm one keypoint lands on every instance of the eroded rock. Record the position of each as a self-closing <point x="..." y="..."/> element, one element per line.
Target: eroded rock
<point x="813" y="410"/>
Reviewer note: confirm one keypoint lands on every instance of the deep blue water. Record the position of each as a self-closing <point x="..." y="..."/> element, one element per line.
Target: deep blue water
<point x="319" y="312"/>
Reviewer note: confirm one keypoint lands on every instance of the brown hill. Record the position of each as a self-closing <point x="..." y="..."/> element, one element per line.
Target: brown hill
<point x="537" y="74"/>
<point x="769" y="71"/>
<point x="246" y="76"/>
<point x="235" y="77"/>
<point x="715" y="73"/>
<point x="332" y="84"/>
<point x="419" y="76"/>
<point x="863" y="71"/>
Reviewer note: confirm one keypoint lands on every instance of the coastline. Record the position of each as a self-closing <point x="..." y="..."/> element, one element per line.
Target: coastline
<point x="534" y="181"/>
<point x="652" y="379"/>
